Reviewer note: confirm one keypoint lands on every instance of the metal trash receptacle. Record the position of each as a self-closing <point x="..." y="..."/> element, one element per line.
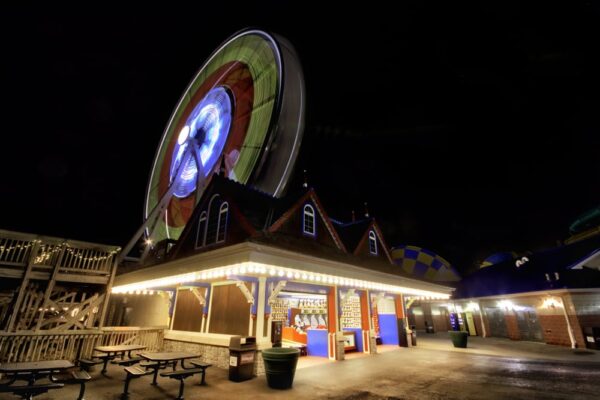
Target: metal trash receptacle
<point x="413" y="336"/>
<point x="242" y="356"/>
<point x="592" y="337"/>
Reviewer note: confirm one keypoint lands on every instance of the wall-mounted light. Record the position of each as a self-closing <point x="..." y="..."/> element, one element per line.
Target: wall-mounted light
<point x="551" y="302"/>
<point x="521" y="261"/>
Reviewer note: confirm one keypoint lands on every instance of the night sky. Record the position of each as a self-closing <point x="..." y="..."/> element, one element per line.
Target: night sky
<point x="468" y="129"/>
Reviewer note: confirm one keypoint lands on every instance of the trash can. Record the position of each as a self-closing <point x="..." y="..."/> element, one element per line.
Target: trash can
<point x="428" y="328"/>
<point x="402" y="339"/>
<point x="413" y="336"/>
<point x="592" y="337"/>
<point x="459" y="338"/>
<point x="242" y="353"/>
<point x="280" y="366"/>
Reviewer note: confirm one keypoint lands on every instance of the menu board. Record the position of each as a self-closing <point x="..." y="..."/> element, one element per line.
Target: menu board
<point x="351" y="317"/>
<point x="279" y="310"/>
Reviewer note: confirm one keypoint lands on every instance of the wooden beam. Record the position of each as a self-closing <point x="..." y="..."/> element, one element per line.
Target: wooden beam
<point x="198" y="296"/>
<point x="244" y="289"/>
<point x="24" y="283"/>
<point x="99" y="280"/>
<point x="50" y="287"/>
<point x="108" y="289"/>
<point x="280" y="285"/>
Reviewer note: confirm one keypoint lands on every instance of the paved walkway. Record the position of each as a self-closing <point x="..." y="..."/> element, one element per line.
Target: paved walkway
<point x="507" y="348"/>
<point x="488" y="369"/>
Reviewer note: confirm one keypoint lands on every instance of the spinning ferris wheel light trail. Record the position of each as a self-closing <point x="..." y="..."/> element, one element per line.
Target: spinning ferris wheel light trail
<point x="243" y="112"/>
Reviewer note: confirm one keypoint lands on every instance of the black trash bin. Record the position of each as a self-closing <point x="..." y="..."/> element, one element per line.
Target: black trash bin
<point x="242" y="354"/>
<point x="428" y="328"/>
<point x="592" y="337"/>
<point x="402" y="339"/>
<point x="413" y="336"/>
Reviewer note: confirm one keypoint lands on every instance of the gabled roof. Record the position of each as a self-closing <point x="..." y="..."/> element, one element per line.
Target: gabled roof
<point x="544" y="270"/>
<point x="382" y="244"/>
<point x="250" y="207"/>
<point x="314" y="248"/>
<point x="310" y="194"/>
<point x="255" y="210"/>
<point x="351" y="232"/>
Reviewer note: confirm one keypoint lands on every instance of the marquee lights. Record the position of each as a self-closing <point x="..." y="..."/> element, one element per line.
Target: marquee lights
<point x="253" y="268"/>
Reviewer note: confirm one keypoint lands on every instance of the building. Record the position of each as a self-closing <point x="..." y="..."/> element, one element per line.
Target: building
<point x="550" y="296"/>
<point x="247" y="260"/>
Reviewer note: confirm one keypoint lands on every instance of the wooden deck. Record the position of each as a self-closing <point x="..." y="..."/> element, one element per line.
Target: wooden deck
<point x="52" y="283"/>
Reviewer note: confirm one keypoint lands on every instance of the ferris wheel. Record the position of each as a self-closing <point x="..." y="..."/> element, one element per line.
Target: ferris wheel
<point x="242" y="114"/>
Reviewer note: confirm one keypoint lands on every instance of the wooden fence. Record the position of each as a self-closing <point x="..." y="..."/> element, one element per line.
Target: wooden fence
<point x="72" y="345"/>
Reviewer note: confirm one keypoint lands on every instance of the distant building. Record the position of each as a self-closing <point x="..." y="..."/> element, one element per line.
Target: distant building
<point x="551" y="296"/>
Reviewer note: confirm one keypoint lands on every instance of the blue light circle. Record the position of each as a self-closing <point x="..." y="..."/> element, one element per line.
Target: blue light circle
<point x="207" y="127"/>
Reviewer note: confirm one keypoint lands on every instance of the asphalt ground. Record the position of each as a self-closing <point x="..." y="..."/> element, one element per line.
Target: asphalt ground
<point x="488" y="369"/>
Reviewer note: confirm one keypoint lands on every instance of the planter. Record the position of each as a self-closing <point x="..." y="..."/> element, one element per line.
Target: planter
<point x="459" y="338"/>
<point x="280" y="366"/>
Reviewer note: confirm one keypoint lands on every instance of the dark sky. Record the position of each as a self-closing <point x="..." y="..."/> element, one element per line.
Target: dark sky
<point x="469" y="129"/>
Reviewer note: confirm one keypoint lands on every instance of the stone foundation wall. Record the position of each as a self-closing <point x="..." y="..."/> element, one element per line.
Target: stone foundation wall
<point x="216" y="355"/>
<point x="259" y="365"/>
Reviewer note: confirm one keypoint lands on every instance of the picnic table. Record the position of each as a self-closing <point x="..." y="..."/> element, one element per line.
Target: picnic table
<point x="31" y="371"/>
<point x="162" y="359"/>
<point x="113" y="351"/>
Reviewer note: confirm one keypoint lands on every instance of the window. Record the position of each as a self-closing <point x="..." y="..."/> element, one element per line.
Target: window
<point x="372" y="243"/>
<point x="222" y="226"/>
<point x="201" y="236"/>
<point x="308" y="224"/>
<point x="212" y="224"/>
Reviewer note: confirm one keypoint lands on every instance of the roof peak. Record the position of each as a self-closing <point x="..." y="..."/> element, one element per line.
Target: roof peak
<point x="345" y="224"/>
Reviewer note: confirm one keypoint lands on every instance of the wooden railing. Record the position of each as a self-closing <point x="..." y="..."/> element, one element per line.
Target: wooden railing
<point x="152" y="338"/>
<point x="21" y="249"/>
<point x="15" y="250"/>
<point x="72" y="345"/>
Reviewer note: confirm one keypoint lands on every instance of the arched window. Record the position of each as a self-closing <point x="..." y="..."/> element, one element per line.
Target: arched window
<point x="222" y="227"/>
<point x="308" y="221"/>
<point x="212" y="223"/>
<point x="372" y="242"/>
<point x="200" y="237"/>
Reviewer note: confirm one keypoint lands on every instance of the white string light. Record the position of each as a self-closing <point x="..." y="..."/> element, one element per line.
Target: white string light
<point x="287" y="273"/>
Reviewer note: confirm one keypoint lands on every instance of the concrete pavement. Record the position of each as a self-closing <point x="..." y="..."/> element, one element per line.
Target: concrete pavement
<point x="489" y="369"/>
<point x="501" y="347"/>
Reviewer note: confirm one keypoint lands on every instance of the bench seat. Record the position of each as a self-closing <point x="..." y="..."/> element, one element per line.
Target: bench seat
<point x="86" y="364"/>
<point x="203" y="365"/>
<point x="28" y="391"/>
<point x="132" y="373"/>
<point x="73" y="377"/>
<point x="180" y="375"/>
<point x="128" y="361"/>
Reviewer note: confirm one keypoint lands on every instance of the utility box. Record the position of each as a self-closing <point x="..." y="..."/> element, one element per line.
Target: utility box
<point x="242" y="356"/>
<point x="592" y="337"/>
<point x="276" y="333"/>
